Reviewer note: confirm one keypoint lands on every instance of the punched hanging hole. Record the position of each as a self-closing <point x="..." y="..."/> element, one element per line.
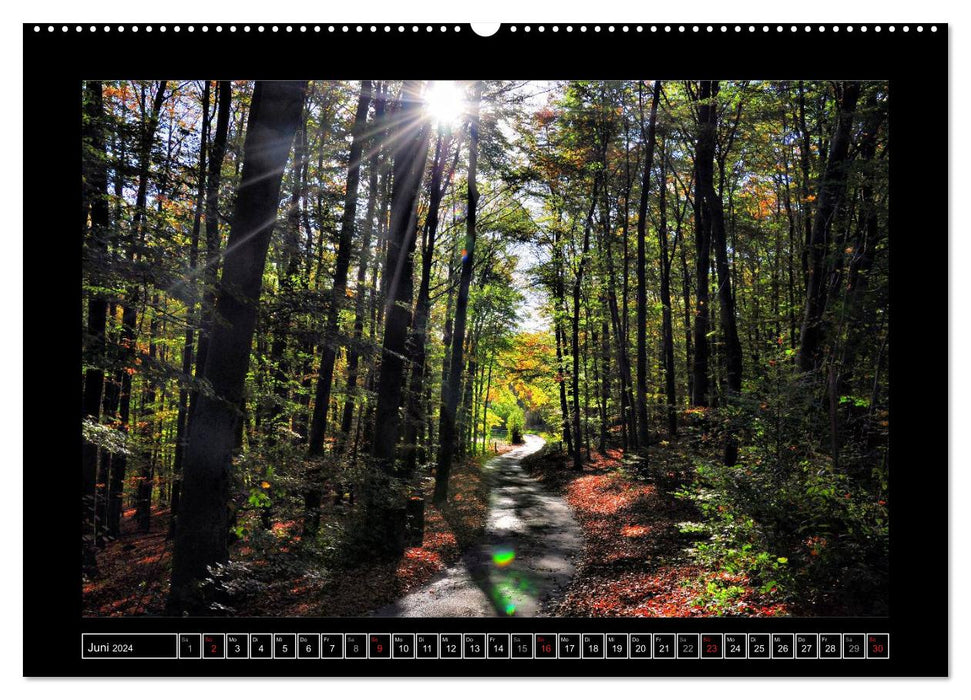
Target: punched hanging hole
<point x="486" y="28"/>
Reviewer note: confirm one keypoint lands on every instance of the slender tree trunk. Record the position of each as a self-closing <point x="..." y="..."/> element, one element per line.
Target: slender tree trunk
<point x="112" y="392"/>
<point x="604" y="383"/>
<point x="616" y="322"/>
<point x="649" y="134"/>
<point x="629" y="410"/>
<point x="188" y="345"/>
<point x="628" y="425"/>
<point x="201" y="538"/>
<point x="667" y="326"/>
<point x="805" y="152"/>
<point x="686" y="301"/>
<point x="408" y="167"/>
<point x="211" y="271"/>
<point x="467" y="420"/>
<point x="143" y="493"/>
<point x="559" y="292"/>
<point x="386" y="522"/>
<point x="325" y="376"/>
<point x="581" y="436"/>
<point x="590" y="334"/>
<point x="414" y="410"/>
<point x="318" y="423"/>
<point x="831" y="189"/>
<point x="129" y="319"/>
<point x="447" y="434"/>
<point x="95" y="236"/>
<point x="704" y="153"/>
<point x="485" y="404"/>
<point x="360" y="309"/>
<point x="791" y="248"/>
<point x="280" y="321"/>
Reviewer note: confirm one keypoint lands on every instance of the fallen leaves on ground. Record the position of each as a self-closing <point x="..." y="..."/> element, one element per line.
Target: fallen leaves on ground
<point x="633" y="562"/>
<point x="134" y="570"/>
<point x="448" y="532"/>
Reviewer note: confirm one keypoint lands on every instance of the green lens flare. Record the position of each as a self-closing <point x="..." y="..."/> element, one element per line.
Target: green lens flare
<point x="503" y="557"/>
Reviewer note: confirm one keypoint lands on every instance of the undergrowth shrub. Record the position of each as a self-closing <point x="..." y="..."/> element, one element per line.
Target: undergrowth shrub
<point x="798" y="526"/>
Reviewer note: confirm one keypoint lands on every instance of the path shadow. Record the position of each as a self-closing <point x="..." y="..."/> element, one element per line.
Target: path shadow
<point x="523" y="560"/>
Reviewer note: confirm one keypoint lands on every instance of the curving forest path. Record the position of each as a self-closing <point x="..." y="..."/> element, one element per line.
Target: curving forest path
<point x="524" y="561"/>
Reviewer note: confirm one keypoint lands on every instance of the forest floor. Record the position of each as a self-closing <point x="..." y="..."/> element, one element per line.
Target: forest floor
<point x="635" y="560"/>
<point x="522" y="534"/>
<point x="134" y="569"/>
<point x="523" y="564"/>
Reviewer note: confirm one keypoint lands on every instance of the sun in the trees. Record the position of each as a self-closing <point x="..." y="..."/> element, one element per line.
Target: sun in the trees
<point x="445" y="102"/>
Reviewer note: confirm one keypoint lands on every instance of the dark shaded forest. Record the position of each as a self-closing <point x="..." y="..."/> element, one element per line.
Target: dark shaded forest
<point x="313" y="312"/>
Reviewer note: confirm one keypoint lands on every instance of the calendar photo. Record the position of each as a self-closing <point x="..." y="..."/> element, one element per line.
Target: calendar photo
<point x="611" y="348"/>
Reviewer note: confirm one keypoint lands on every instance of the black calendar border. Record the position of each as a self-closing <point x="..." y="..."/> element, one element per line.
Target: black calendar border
<point x="916" y="65"/>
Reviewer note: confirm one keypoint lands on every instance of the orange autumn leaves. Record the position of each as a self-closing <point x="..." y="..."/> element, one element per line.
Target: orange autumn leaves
<point x="633" y="563"/>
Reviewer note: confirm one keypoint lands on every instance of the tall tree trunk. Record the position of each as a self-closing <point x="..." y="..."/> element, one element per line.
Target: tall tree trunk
<point x="649" y="135"/>
<point x="318" y="423"/>
<point x="112" y="392"/>
<point x="360" y="308"/>
<point x="414" y="402"/>
<point x="858" y="327"/>
<point x="96" y="244"/>
<point x="386" y="522"/>
<point x="447" y="435"/>
<point x="581" y="436"/>
<point x="805" y="152"/>
<point x="188" y="345"/>
<point x="143" y="492"/>
<point x="280" y="321"/>
<point x="129" y="318"/>
<point x="686" y="302"/>
<point x="704" y="165"/>
<point x="667" y="326"/>
<point x="590" y="334"/>
<point x="831" y="190"/>
<point x="702" y="349"/>
<point x="485" y="404"/>
<point x="446" y="345"/>
<point x="561" y="380"/>
<point x="466" y="420"/>
<point x="325" y="376"/>
<point x="201" y="538"/>
<point x="211" y="271"/>
<point x="559" y="290"/>
<point x="604" y="382"/>
<point x="629" y="410"/>
<point x="616" y="322"/>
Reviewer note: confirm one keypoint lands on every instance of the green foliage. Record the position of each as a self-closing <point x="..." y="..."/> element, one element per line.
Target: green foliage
<point x="515" y="423"/>
<point x="786" y="516"/>
<point x="104" y="437"/>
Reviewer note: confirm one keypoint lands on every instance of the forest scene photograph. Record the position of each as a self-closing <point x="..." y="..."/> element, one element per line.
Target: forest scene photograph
<point x="484" y="348"/>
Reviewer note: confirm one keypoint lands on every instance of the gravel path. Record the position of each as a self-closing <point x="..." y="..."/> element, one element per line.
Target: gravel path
<point x="524" y="561"/>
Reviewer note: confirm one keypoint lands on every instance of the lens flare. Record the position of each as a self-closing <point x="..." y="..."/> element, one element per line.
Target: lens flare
<point x="504" y="557"/>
